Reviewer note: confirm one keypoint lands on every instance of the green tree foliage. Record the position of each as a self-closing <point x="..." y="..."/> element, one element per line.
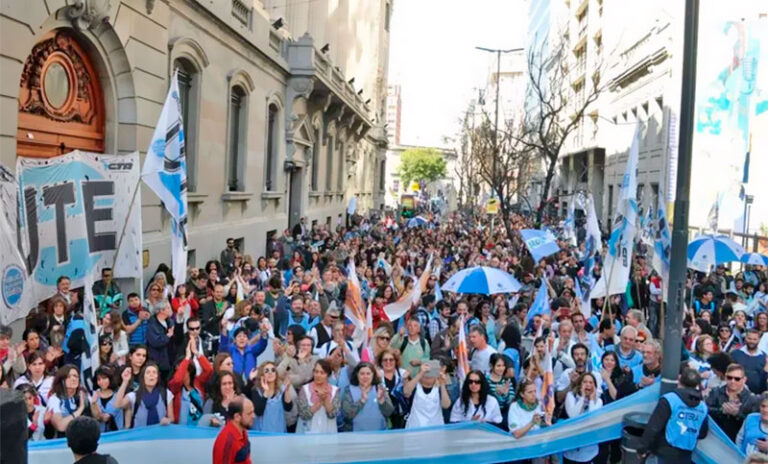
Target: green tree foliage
<point x="417" y="164"/>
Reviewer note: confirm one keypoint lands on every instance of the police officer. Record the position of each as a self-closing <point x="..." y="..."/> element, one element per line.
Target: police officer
<point x="677" y="422"/>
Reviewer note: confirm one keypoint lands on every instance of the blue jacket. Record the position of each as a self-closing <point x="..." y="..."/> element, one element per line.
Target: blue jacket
<point x="158" y="343"/>
<point x="242" y="363"/>
<point x="139" y="336"/>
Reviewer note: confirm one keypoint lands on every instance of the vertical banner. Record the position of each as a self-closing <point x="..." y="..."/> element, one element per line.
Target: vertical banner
<point x="72" y="209"/>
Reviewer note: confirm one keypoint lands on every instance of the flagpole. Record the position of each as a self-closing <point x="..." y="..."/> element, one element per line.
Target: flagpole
<point x="125" y="223"/>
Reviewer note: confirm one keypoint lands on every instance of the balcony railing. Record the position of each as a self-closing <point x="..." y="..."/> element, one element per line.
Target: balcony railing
<point x="242" y="12"/>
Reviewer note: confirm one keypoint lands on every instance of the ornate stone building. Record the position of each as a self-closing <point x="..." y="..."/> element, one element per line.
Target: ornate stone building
<point x="283" y="102"/>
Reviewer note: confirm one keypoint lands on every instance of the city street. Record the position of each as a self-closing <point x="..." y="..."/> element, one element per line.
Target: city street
<point x="499" y="231"/>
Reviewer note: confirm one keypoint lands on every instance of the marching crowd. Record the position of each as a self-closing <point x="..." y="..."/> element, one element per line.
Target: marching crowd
<point x="266" y="344"/>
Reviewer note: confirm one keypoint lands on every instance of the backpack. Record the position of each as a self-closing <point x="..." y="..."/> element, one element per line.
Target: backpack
<point x="422" y="342"/>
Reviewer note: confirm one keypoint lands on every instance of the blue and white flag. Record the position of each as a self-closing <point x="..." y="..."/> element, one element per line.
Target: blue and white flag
<point x="569" y="225"/>
<point x="662" y="244"/>
<point x="592" y="247"/>
<point x="646" y="227"/>
<point x="438" y="292"/>
<point x="540" y="303"/>
<point x="541" y="243"/>
<point x="165" y="172"/>
<point x="618" y="262"/>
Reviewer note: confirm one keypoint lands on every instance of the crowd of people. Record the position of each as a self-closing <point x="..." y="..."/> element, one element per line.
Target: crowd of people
<point x="265" y="344"/>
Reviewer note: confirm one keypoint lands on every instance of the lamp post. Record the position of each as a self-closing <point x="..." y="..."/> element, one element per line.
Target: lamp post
<point x="498" y="53"/>
<point x="678" y="260"/>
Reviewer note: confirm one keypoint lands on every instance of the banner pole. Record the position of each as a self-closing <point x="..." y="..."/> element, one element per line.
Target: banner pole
<point x="125" y="223"/>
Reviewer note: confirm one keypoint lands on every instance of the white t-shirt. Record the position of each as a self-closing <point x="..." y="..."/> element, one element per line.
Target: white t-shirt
<point x="564" y="381"/>
<point x="576" y="406"/>
<point x="481" y="359"/>
<point x="43" y="388"/>
<point x="492" y="412"/>
<point x="56" y="406"/>
<point x="518" y="417"/>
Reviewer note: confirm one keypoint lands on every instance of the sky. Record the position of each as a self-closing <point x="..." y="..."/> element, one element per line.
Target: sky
<point x="433" y="58"/>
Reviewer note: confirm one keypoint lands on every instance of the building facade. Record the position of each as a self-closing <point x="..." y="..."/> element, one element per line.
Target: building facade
<point x="283" y="104"/>
<point x="394" y="114"/>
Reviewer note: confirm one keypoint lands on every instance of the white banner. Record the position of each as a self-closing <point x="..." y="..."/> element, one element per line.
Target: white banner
<point x="72" y="209"/>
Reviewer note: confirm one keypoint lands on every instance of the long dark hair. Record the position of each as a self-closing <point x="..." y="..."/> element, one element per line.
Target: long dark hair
<point x="511" y="336"/>
<point x="216" y="393"/>
<point x="465" y="393"/>
<point x="616" y="373"/>
<point x="58" y="388"/>
<point x="142" y="390"/>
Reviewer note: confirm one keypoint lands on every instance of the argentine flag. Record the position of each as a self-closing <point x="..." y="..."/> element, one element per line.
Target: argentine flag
<point x="540" y="303"/>
<point x="165" y="172"/>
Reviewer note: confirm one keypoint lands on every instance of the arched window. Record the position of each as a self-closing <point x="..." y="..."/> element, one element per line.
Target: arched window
<point x="315" y="161"/>
<point x="189" y="89"/>
<point x="270" y="176"/>
<point x="329" y="164"/>
<point x="236" y="149"/>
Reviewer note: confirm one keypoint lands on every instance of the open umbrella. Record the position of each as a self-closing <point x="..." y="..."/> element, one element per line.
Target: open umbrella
<point x="706" y="251"/>
<point x="755" y="259"/>
<point x="483" y="280"/>
<point x="417" y="221"/>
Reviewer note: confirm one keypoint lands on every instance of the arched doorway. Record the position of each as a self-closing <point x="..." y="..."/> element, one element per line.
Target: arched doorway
<point x="61" y="107"/>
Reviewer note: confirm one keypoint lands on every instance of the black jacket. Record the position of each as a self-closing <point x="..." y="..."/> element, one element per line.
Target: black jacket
<point x="654" y="436"/>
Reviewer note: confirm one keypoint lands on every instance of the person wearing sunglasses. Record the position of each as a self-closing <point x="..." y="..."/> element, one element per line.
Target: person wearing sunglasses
<point x="730" y="403"/>
<point x="476" y="403"/>
<point x="273" y="400"/>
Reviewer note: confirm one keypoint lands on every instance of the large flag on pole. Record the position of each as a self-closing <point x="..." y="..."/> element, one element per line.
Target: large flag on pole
<point x="592" y="247"/>
<point x="618" y="261"/>
<point x="354" y="308"/>
<point x="462" y="355"/>
<point x="165" y="172"/>
<point x="411" y="297"/>
<point x="662" y="245"/>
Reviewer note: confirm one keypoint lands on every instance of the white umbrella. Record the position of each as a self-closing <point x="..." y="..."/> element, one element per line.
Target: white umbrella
<point x="707" y="251"/>
<point x="483" y="280"/>
<point x="755" y="259"/>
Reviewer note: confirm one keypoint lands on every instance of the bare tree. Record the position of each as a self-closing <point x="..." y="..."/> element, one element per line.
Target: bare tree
<point x="557" y="102"/>
<point x="466" y="169"/>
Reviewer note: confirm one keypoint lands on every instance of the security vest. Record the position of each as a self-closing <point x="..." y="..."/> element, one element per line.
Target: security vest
<point x="752" y="433"/>
<point x="684" y="422"/>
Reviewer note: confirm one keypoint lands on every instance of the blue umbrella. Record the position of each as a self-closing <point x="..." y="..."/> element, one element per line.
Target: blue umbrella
<point x="754" y="259"/>
<point x="707" y="251"/>
<point x="483" y="280"/>
<point x="417" y="221"/>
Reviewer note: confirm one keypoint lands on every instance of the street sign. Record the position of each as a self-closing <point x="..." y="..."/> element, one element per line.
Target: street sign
<point x="492" y="206"/>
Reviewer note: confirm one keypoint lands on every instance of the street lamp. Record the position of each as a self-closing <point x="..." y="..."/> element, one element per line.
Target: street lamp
<point x="498" y="53"/>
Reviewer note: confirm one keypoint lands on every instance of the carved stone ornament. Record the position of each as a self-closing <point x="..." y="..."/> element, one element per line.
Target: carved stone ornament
<point x="302" y="86"/>
<point x="57" y="84"/>
<point x="88" y="14"/>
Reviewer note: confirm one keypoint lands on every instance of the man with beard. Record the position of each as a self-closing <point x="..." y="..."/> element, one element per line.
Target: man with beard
<point x="753" y="360"/>
<point x="649" y="372"/>
<point x="579" y="355"/>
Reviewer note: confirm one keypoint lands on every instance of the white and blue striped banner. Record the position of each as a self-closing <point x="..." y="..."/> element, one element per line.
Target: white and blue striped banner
<point x="465" y="442"/>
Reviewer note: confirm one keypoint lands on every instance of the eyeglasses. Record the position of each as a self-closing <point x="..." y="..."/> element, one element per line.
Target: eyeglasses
<point x="269" y="370"/>
<point x="154" y="289"/>
<point x="735" y="379"/>
<point x="384" y="337"/>
<point x="193" y="329"/>
<point x="473" y="381"/>
<point x="106" y="343"/>
<point x="334" y="317"/>
<point x="388" y="360"/>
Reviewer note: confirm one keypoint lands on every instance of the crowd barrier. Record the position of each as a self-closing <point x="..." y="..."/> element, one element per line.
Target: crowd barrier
<point x="465" y="442"/>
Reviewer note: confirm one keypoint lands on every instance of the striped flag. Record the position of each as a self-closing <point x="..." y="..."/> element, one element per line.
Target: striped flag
<point x="548" y="383"/>
<point x="89" y="360"/>
<point x="398" y="309"/>
<point x="369" y="322"/>
<point x="462" y="355"/>
<point x="165" y="172"/>
<point x="540" y="303"/>
<point x="354" y="307"/>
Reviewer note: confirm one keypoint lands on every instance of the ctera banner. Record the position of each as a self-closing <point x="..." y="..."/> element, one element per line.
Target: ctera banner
<point x="71" y="211"/>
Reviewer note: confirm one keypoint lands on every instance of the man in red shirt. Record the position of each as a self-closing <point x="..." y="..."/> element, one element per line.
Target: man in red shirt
<point x="232" y="445"/>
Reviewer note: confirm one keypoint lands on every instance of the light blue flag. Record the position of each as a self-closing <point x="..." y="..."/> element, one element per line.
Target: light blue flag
<point x="541" y="243"/>
<point x="540" y="304"/>
<point x="165" y="172"/>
